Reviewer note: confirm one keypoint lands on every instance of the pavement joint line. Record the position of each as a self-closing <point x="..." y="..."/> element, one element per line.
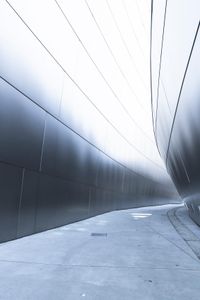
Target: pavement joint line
<point x="100" y="266"/>
<point x="174" y="244"/>
<point x="187" y="235"/>
<point x="195" y="237"/>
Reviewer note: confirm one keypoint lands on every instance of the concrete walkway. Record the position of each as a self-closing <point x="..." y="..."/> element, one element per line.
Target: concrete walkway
<point x="130" y="254"/>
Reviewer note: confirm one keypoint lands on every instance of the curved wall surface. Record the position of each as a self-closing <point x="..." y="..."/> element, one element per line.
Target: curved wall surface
<point x="73" y="140"/>
<point x="175" y="66"/>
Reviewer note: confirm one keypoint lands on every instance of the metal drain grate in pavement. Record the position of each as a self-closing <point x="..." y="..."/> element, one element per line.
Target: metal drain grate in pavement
<point x="98" y="234"/>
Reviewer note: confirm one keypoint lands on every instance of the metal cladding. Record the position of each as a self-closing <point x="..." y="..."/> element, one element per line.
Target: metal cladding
<point x="175" y="65"/>
<point x="64" y="153"/>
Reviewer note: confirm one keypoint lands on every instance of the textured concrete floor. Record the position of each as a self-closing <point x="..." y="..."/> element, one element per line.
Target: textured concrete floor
<point x="138" y="256"/>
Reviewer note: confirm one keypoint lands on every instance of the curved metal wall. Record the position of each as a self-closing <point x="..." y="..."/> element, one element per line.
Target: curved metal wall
<point x="175" y="61"/>
<point x="54" y="168"/>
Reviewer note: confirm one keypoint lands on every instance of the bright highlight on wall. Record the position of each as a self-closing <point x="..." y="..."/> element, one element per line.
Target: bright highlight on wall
<point x="101" y="49"/>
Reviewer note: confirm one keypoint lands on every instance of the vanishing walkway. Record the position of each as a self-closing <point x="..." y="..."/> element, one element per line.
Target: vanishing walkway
<point x="130" y="254"/>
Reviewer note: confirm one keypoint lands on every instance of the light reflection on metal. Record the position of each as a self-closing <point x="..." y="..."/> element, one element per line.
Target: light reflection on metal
<point x="65" y="124"/>
<point x="177" y="119"/>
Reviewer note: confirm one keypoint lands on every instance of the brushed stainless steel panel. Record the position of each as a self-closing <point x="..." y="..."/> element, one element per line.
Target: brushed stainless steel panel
<point x="26" y="64"/>
<point x="28" y="203"/>
<point x="10" y="186"/>
<point x="60" y="202"/>
<point x="67" y="155"/>
<point x="21" y="128"/>
<point x="183" y="156"/>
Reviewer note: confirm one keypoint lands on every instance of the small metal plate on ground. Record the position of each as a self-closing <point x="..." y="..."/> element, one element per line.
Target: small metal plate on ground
<point x="98" y="234"/>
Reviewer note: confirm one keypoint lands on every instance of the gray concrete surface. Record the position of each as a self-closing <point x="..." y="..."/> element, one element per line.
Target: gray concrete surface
<point x="138" y="254"/>
<point x="182" y="214"/>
